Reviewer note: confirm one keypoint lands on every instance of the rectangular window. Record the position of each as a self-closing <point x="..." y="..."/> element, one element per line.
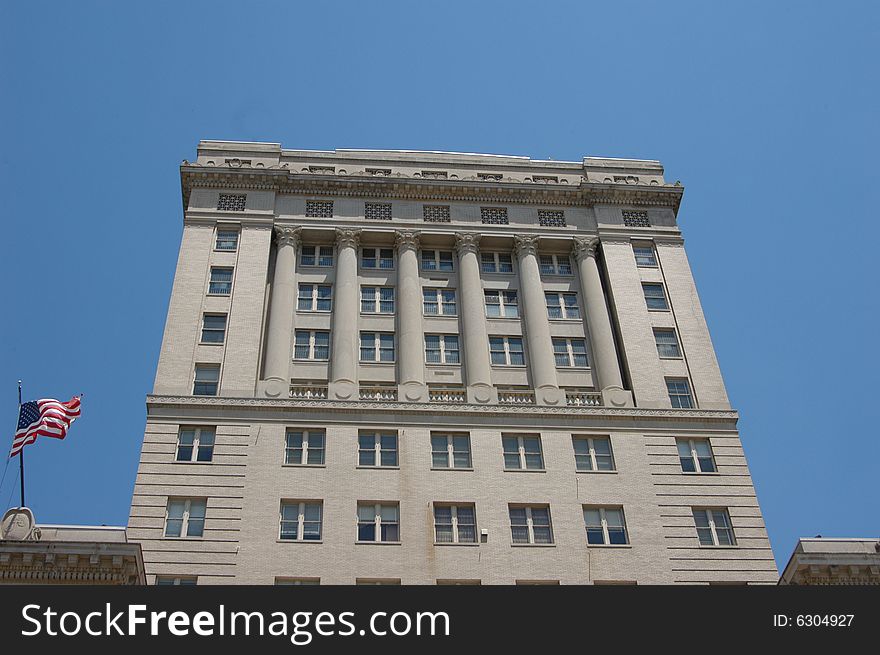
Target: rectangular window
<point x="593" y="454"/>
<point x="680" y="393"/>
<point x="555" y="265"/>
<point x="221" y="281"/>
<point x="605" y="526"/>
<point x="304" y="447"/>
<point x="714" y="527"/>
<point x="450" y="450"/>
<point x="314" y="298"/>
<point x="501" y="303"/>
<point x="530" y="524"/>
<point x="377" y="448"/>
<point x="213" y="328"/>
<point x="562" y="305"/>
<point x="436" y="213"/>
<point x="301" y="520"/>
<point x="496" y="262"/>
<point x="441" y="349"/>
<point x="377" y="346"/>
<point x="226" y="240"/>
<point x="377" y="211"/>
<point x="319" y="208"/>
<point x="439" y="302"/>
<point x="379" y="258"/>
<point x="378" y="522"/>
<point x="437" y="260"/>
<point x="522" y="452"/>
<point x="645" y="255"/>
<point x="455" y="524"/>
<point x="493" y="215"/>
<point x="316" y="256"/>
<point x="695" y="456"/>
<point x="206" y="379"/>
<point x="506" y="351"/>
<point x="165" y="580"/>
<point x="667" y="343"/>
<point x="655" y="297"/>
<point x="377" y="300"/>
<point x="570" y="353"/>
<point x="195" y="444"/>
<point x="232" y="202"/>
<point x="185" y="517"/>
<point x="311" y="344"/>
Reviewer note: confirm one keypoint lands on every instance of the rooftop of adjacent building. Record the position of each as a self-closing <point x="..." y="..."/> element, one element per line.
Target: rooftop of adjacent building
<point x="833" y="557"/>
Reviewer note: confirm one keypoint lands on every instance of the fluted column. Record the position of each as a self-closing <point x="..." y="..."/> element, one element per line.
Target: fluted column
<point x="344" y="337"/>
<point x="279" y="335"/>
<point x="605" y="365"/>
<point x="542" y="362"/>
<point x="472" y="313"/>
<point x="410" y="333"/>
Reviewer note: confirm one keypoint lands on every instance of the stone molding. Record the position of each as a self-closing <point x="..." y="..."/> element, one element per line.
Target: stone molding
<point x="407" y="240"/>
<point x="467" y="242"/>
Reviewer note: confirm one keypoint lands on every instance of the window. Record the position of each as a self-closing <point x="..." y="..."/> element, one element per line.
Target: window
<point x="319" y="208"/>
<point x="441" y="349"/>
<point x="551" y="218"/>
<point x="226" y="240"/>
<point x="450" y="450"/>
<point x="455" y="524"/>
<point x="655" y="297"/>
<point x="185" y="517"/>
<point x="562" y="305"/>
<point x="437" y="260"/>
<point x="377" y="448"/>
<point x="605" y="526"/>
<point x="377" y="346"/>
<point x="667" y="343"/>
<point x="317" y="256"/>
<point x="377" y="211"/>
<point x="301" y="521"/>
<point x="695" y="456"/>
<point x="378" y="522"/>
<point x="232" y="202"/>
<point x="501" y="304"/>
<point x="206" y="379"/>
<point x="314" y="298"/>
<point x="195" y="444"/>
<point x="439" y="302"/>
<point x="714" y="527"/>
<point x="506" y="351"/>
<point x="496" y="262"/>
<point x="530" y="524"/>
<point x="382" y="258"/>
<point x="297" y="581"/>
<point x="455" y="583"/>
<point x="304" y="447"/>
<point x="645" y="255"/>
<point x="522" y="452"/>
<point x="163" y="580"/>
<point x="555" y="265"/>
<point x="213" y="328"/>
<point x="494" y="215"/>
<point x="377" y="581"/>
<point x="221" y="281"/>
<point x="635" y="219"/>
<point x="436" y="213"/>
<point x="311" y="344"/>
<point x="377" y="300"/>
<point x="570" y="353"/>
<point x="593" y="454"/>
<point x="680" y="393"/>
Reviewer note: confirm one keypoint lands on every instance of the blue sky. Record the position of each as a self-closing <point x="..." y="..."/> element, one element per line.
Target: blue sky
<point x="767" y="112"/>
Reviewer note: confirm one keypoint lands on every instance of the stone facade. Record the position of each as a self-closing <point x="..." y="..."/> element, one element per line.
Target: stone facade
<point x="829" y="561"/>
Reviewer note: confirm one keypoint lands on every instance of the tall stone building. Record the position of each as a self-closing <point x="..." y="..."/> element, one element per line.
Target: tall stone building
<point x="438" y="368"/>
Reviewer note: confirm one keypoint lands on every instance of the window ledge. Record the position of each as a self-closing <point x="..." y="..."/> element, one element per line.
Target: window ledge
<point x="700" y="473"/>
<point x="298" y="541"/>
<point x="614" y="471"/>
<point x="525" y="470"/>
<point x="447" y="543"/>
<point x="440" y="315"/>
<point x="183" y="538"/>
<point x="378" y="468"/>
<point x="304" y="466"/>
<point x="383" y="363"/>
<point x="624" y="546"/>
<point x="442" y="364"/>
<point x="659" y="310"/>
<point x="720" y="547"/>
<point x="378" y="543"/>
<point x="502" y="318"/>
<point x="533" y="545"/>
<point x="451" y="468"/>
<point x="185" y="461"/>
<point x="566" y="320"/>
<point x="212" y="343"/>
<point x="515" y="366"/>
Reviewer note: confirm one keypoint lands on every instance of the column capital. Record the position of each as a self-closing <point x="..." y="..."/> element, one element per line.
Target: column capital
<point x="407" y="239"/>
<point x="525" y="244"/>
<point x="582" y="247"/>
<point x="467" y="242"/>
<point x="287" y="236"/>
<point x="347" y="238"/>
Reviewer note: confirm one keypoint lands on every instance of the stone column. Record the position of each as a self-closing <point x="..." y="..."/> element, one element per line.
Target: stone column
<point x="344" y="336"/>
<point x="279" y="336"/>
<point x="410" y="333"/>
<point x="605" y="367"/>
<point x="534" y="305"/>
<point x="472" y="317"/>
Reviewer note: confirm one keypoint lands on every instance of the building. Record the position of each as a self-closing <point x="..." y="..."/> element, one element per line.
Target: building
<point x="833" y="561"/>
<point x="426" y="367"/>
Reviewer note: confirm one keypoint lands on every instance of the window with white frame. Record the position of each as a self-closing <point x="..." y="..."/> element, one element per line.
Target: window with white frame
<point x="304" y="447"/>
<point x="439" y="302"/>
<point x="555" y="264"/>
<point x="667" y="343"/>
<point x="195" y="444"/>
<point x="206" y="379"/>
<point x="380" y="258"/>
<point x="501" y="303"/>
<point x="213" y="328"/>
<point x="714" y="527"/>
<point x="570" y="353"/>
<point x="185" y="517"/>
<point x="695" y="456"/>
<point x="226" y="240"/>
<point x="316" y="256"/>
<point x="378" y="522"/>
<point x="645" y="255"/>
<point x="455" y="524"/>
<point x="301" y="520"/>
<point x="442" y="349"/>
<point x="530" y="524"/>
<point x="167" y="580"/>
<point x="283" y="582"/>
<point x="496" y="262"/>
<point x="450" y="450"/>
<point x="562" y="305"/>
<point x="221" y="281"/>
<point x="437" y="260"/>
<point x="679" y="390"/>
<point x="506" y="351"/>
<point x="605" y="526"/>
<point x="655" y="296"/>
<point x="522" y="452"/>
<point x="377" y="300"/>
<point x="315" y="298"/>
<point x="592" y="453"/>
<point x="377" y="448"/>
<point x="377" y="346"/>
<point x="311" y="344"/>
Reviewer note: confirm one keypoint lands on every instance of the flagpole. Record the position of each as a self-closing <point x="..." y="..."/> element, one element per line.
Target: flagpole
<point x="20" y="452"/>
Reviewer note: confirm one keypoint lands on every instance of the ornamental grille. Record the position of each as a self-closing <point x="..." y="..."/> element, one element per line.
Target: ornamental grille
<point x="319" y="208"/>
<point x="489" y="176"/>
<point x="377" y="211"/>
<point x="494" y="215"/>
<point x="232" y="202"/>
<point x="636" y="219"/>
<point x="437" y="214"/>
<point x="551" y="218"/>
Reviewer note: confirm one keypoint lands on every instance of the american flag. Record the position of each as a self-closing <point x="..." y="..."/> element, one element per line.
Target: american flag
<point x="43" y="418"/>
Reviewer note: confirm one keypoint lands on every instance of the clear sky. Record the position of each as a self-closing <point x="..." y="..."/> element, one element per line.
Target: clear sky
<point x="766" y="111"/>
